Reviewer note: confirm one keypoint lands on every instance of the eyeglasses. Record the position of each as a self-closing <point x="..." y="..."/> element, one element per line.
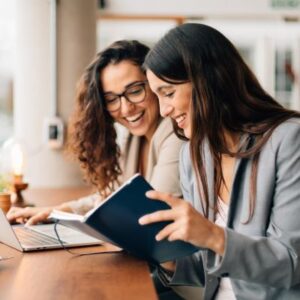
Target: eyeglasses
<point x="136" y="93"/>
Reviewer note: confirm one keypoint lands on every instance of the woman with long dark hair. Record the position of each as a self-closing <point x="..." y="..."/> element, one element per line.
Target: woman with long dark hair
<point x="240" y="170"/>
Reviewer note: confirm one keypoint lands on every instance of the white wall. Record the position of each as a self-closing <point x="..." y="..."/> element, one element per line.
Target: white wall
<point x="197" y="8"/>
<point x="255" y="25"/>
<point x="76" y="47"/>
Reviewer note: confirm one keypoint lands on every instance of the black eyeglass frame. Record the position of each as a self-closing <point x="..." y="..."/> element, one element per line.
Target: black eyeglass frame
<point x="119" y="96"/>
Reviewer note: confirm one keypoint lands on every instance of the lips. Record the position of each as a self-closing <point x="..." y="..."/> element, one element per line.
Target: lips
<point x="135" y="117"/>
<point x="180" y="120"/>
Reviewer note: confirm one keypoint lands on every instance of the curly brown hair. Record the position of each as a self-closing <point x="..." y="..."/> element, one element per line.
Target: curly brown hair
<point x="92" y="135"/>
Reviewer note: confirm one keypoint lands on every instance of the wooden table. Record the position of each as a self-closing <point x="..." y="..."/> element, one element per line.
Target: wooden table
<point x="56" y="274"/>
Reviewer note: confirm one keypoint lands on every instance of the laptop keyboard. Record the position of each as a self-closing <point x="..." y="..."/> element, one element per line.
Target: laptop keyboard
<point x="32" y="238"/>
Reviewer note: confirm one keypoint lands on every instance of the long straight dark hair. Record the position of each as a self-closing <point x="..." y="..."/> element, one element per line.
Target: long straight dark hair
<point x="226" y="97"/>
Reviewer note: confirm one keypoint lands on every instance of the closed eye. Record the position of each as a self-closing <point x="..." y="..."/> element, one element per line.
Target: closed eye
<point x="110" y="99"/>
<point x="135" y="91"/>
<point x="169" y="95"/>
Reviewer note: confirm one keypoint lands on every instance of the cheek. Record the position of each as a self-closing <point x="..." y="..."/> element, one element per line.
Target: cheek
<point x="117" y="117"/>
<point x="155" y="109"/>
<point x="186" y="101"/>
<point x="151" y="105"/>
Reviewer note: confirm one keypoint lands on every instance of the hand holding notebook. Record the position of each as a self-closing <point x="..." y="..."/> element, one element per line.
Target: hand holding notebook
<point x="115" y="220"/>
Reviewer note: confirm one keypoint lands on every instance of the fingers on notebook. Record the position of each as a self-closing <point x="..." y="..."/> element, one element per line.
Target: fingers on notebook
<point x="169" y="232"/>
<point x="159" y="216"/>
<point x="168" y="198"/>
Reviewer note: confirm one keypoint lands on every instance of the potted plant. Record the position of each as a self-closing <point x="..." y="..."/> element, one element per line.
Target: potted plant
<point x="5" y="194"/>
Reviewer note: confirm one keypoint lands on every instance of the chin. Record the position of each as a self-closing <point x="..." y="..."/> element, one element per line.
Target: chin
<point x="187" y="133"/>
<point x="137" y="131"/>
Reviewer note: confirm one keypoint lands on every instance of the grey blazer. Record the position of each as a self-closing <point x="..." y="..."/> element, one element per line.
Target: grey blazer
<point x="261" y="257"/>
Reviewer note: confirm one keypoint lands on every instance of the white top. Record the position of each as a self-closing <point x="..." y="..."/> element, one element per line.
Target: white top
<point x="225" y="291"/>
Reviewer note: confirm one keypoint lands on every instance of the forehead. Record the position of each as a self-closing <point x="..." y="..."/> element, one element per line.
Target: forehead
<point x="154" y="81"/>
<point x="115" y="77"/>
<point x="157" y="84"/>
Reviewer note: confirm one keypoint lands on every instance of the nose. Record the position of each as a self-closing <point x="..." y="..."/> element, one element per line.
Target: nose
<point x="126" y="106"/>
<point x="165" y="109"/>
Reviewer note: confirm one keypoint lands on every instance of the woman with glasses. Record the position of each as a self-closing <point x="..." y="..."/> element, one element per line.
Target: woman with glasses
<point x="114" y="90"/>
<point x="240" y="170"/>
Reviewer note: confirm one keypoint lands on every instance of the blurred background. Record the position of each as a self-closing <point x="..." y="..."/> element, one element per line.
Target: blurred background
<point x="46" y="44"/>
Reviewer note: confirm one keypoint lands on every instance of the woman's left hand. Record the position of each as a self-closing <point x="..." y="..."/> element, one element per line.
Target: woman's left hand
<point x="188" y="225"/>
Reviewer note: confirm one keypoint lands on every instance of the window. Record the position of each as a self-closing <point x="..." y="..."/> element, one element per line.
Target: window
<point x="6" y="68"/>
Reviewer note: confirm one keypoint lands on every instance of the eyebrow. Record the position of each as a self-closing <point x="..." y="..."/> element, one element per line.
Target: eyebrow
<point x="127" y="86"/>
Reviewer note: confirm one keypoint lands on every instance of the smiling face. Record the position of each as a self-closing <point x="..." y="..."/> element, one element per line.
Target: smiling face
<point x="174" y="101"/>
<point x="141" y="118"/>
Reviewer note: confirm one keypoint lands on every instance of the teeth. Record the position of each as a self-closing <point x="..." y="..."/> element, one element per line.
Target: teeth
<point x="135" y="117"/>
<point x="180" y="118"/>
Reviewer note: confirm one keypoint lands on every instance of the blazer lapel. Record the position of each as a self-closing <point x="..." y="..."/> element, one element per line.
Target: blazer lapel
<point x="132" y="157"/>
<point x="239" y="169"/>
<point x="209" y="166"/>
<point x="210" y="173"/>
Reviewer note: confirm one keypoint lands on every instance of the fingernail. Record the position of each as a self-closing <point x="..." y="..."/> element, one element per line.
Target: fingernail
<point x="141" y="221"/>
<point x="148" y="194"/>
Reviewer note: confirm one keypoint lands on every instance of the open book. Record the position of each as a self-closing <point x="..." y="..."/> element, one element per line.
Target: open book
<point x="115" y="220"/>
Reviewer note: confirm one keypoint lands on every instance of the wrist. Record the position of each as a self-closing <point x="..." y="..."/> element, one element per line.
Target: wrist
<point x="169" y="266"/>
<point x="63" y="207"/>
<point x="166" y="272"/>
<point x="217" y="241"/>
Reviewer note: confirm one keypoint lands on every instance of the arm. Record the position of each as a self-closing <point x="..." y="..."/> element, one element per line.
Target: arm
<point x="34" y="215"/>
<point x="272" y="259"/>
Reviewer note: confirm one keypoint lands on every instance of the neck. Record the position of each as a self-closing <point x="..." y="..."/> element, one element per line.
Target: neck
<point x="232" y="140"/>
<point x="148" y="136"/>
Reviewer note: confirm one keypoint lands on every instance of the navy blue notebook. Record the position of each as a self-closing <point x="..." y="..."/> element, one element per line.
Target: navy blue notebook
<point x="116" y="220"/>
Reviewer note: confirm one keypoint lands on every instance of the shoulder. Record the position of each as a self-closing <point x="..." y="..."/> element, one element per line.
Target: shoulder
<point x="164" y="135"/>
<point x="291" y="125"/>
<point x="283" y="143"/>
<point x="185" y="152"/>
<point x="164" y="129"/>
<point x="185" y="162"/>
<point x="287" y="133"/>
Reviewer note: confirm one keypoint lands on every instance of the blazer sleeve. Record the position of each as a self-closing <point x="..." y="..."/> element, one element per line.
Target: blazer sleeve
<point x="272" y="259"/>
<point x="83" y="205"/>
<point x="189" y="270"/>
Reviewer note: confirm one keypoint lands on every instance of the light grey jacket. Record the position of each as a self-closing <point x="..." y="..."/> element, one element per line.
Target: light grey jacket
<point x="261" y="257"/>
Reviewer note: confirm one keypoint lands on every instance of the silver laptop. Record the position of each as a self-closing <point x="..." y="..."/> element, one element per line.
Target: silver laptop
<point x="41" y="237"/>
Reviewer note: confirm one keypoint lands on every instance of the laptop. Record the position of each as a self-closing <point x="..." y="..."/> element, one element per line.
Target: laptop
<point x="41" y="237"/>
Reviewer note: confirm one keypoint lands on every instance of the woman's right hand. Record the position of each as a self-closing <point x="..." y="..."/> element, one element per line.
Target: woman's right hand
<point x="28" y="215"/>
<point x="187" y="224"/>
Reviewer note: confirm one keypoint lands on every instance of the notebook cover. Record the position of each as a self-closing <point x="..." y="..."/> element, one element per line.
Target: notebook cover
<point x="117" y="219"/>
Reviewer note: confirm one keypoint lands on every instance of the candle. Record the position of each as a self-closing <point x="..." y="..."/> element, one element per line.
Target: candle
<point x="17" y="163"/>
